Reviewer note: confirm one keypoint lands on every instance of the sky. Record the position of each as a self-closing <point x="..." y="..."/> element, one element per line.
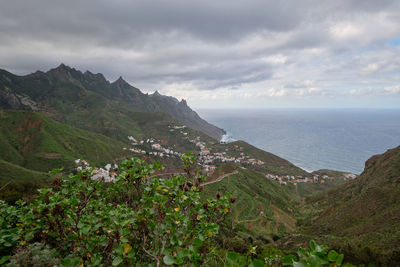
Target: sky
<point x="218" y="54"/>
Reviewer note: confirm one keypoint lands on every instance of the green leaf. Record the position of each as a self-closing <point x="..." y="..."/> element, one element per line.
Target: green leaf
<point x="117" y="261"/>
<point x="332" y="255"/>
<point x="80" y="225"/>
<point x="288" y="260"/>
<point x="316" y="260"/>
<point x="168" y="260"/>
<point x="197" y="242"/>
<point x="299" y="264"/>
<point x="29" y="236"/>
<point x="55" y="171"/>
<point x="4" y="259"/>
<point x="256" y="263"/>
<point x="85" y="230"/>
<point x="339" y="259"/>
<point x="70" y="261"/>
<point x="232" y="256"/>
<point x="182" y="253"/>
<point x="313" y="245"/>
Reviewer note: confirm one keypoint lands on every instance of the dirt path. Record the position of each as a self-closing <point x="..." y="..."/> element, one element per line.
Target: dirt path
<point x="167" y="173"/>
<point x="202" y="184"/>
<point x="219" y="178"/>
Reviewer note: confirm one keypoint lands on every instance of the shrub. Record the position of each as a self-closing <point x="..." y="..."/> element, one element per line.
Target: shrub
<point x="316" y="255"/>
<point x="135" y="219"/>
<point x="35" y="255"/>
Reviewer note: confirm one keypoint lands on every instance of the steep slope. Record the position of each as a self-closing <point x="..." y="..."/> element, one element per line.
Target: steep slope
<point x="69" y="95"/>
<point x="17" y="182"/>
<point x="362" y="217"/>
<point x="272" y="163"/>
<point x="35" y="142"/>
<point x="184" y="114"/>
<point x="263" y="206"/>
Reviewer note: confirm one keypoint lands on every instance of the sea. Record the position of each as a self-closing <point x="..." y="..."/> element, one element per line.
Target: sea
<point x="313" y="139"/>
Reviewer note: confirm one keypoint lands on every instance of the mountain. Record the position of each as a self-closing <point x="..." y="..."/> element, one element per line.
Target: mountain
<point x="88" y="101"/>
<point x="361" y="217"/>
<point x="68" y="95"/>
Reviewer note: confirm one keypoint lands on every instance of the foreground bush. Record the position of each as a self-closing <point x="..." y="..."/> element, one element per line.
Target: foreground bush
<point x="316" y="256"/>
<point x="135" y="219"/>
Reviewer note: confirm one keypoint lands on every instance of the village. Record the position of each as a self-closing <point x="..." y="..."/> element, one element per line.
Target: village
<point x="286" y="179"/>
<point x="316" y="178"/>
<point x="207" y="159"/>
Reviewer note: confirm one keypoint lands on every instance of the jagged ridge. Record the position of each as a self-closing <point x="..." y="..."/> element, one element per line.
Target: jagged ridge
<point x="43" y="92"/>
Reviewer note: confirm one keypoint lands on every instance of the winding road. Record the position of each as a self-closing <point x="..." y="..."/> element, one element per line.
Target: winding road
<point x="219" y="178"/>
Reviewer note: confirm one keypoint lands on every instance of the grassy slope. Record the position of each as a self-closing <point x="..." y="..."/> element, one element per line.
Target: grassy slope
<point x="362" y="217"/>
<point x="35" y="142"/>
<point x="307" y="189"/>
<point x="107" y="117"/>
<point x="263" y="206"/>
<point x="16" y="181"/>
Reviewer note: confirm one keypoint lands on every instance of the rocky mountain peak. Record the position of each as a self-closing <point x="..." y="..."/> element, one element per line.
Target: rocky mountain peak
<point x="62" y="68"/>
<point x="96" y="77"/>
<point x="121" y="80"/>
<point x="63" y="72"/>
<point x="120" y="83"/>
<point x="183" y="102"/>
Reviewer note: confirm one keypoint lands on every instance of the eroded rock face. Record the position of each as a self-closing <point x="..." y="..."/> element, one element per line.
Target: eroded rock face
<point x="9" y="99"/>
<point x="28" y="102"/>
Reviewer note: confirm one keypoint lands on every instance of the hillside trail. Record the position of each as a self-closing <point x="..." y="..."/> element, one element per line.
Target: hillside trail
<point x="219" y="178"/>
<point x="167" y="173"/>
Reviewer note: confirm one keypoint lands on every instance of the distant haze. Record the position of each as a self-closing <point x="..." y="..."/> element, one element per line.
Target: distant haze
<point x="218" y="54"/>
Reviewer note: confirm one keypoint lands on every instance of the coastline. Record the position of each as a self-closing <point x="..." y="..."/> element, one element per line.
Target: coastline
<point x="314" y="139"/>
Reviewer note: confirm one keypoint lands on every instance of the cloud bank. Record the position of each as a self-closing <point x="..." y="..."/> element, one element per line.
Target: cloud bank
<point x="218" y="53"/>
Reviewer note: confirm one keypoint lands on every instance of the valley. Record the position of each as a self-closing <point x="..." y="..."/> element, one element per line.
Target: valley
<point x="69" y="119"/>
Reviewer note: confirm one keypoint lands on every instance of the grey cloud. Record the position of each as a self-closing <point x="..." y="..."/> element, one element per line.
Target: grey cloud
<point x="114" y="22"/>
<point x="209" y="44"/>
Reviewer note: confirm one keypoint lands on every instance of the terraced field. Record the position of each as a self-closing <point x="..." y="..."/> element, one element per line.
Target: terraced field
<point x="262" y="205"/>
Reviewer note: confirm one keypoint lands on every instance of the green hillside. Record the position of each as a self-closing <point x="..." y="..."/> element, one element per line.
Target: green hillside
<point x="263" y="206"/>
<point x="307" y="189"/>
<point x="35" y="142"/>
<point x="17" y="182"/>
<point x="361" y="217"/>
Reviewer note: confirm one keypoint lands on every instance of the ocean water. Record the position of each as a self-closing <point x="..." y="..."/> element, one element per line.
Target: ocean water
<point x="337" y="139"/>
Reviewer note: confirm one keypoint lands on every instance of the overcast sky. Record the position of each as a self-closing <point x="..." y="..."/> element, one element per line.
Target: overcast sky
<point x="217" y="54"/>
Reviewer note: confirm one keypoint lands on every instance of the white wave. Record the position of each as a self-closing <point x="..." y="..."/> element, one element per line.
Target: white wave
<point x="227" y="138"/>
